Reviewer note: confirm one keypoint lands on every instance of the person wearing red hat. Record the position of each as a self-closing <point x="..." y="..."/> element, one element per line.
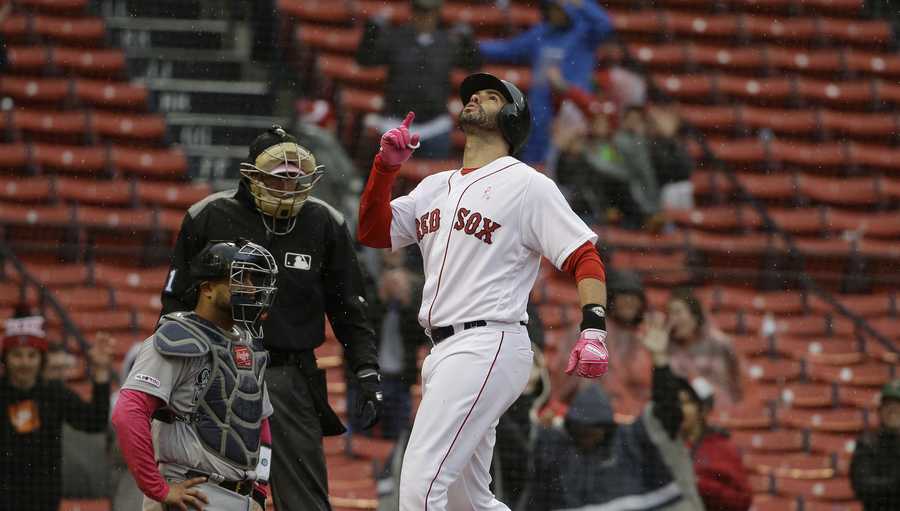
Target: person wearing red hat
<point x="35" y="409"/>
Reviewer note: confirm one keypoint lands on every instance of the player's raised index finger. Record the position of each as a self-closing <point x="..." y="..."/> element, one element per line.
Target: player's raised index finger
<point x="409" y="119"/>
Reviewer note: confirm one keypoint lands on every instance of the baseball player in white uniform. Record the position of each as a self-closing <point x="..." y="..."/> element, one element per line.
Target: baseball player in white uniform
<point x="482" y="230"/>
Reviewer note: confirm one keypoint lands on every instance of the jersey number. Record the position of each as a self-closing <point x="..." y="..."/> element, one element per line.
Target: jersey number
<point x="170" y="281"/>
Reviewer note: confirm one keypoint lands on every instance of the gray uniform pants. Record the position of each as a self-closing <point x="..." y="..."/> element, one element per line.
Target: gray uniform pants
<point x="220" y="499"/>
<point x="299" y="478"/>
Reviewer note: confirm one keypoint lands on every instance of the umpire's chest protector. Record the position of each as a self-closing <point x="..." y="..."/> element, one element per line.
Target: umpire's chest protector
<point x="228" y="416"/>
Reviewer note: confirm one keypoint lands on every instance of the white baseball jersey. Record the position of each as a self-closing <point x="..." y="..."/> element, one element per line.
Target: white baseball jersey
<point x="482" y="235"/>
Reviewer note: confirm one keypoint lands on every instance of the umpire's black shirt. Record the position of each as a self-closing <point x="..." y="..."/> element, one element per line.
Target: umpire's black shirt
<point x="318" y="272"/>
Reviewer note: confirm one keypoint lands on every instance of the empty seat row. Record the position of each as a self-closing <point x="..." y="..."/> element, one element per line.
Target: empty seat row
<point x="82" y="126"/>
<point x="764" y="59"/>
<point x="50" y="60"/>
<point x="63" y="92"/>
<point x="805" y="221"/>
<point x="809" y="122"/>
<point x="166" y="163"/>
<point x="50" y="189"/>
<point x="780" y="91"/>
<point x="83" y="30"/>
<point x="744" y="28"/>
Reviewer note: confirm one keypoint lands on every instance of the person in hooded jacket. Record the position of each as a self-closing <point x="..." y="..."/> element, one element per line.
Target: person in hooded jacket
<point x="567" y="38"/>
<point x="594" y="461"/>
<point x="874" y="470"/>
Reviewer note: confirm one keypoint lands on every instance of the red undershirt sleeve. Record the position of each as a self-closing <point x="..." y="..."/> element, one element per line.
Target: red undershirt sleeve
<point x="131" y="420"/>
<point x="585" y="263"/>
<point x="374" y="229"/>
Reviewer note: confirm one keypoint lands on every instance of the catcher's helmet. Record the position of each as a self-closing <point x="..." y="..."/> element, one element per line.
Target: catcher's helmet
<point x="281" y="174"/>
<point x="251" y="273"/>
<point x="514" y="119"/>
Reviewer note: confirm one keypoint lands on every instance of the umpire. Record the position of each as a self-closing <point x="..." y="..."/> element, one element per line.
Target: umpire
<point x="318" y="275"/>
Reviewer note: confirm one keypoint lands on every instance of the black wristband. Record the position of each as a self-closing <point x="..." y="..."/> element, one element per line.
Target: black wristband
<point x="593" y="315"/>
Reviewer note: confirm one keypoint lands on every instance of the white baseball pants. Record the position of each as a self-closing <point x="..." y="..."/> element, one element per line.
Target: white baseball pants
<point x="468" y="382"/>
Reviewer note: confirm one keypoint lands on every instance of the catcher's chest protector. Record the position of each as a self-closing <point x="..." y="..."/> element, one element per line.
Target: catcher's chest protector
<point x="228" y="416"/>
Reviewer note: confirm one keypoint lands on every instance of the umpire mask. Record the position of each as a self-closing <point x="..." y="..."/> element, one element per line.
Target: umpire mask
<point x="253" y="273"/>
<point x="280" y="174"/>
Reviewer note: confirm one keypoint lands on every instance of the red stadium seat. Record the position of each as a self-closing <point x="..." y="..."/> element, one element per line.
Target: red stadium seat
<point x="806" y="395"/>
<point x="765" y="369"/>
<point x="860" y="33"/>
<point x="802" y="326"/>
<point x="359" y="100"/>
<point x="791" y="122"/>
<point x="111" y="95"/>
<point x="145" y="128"/>
<point x="150" y="163"/>
<point x="660" y="57"/>
<point x="87" y="31"/>
<point x="839" y="191"/>
<point x="70" y="159"/>
<point x="880" y="225"/>
<point x="799" y="221"/>
<point x="868" y="305"/>
<point x="687" y="87"/>
<point x="833" y="421"/>
<point x="33" y="189"/>
<point x="840" y="7"/>
<point x="821" y="156"/>
<point x="327" y="12"/>
<point x="98" y="192"/>
<point x="774" y="187"/>
<point x="82" y="504"/>
<point x="647" y="25"/>
<point x="824" y="63"/>
<point x="147" y="302"/>
<point x="59" y="275"/>
<point x="710" y="118"/>
<point x="52" y="126"/>
<point x="831" y="352"/>
<point x="127" y="278"/>
<point x="16" y="28"/>
<point x="740" y="152"/>
<point x="875" y="157"/>
<point x="790" y="466"/>
<point x="766" y="502"/>
<point x="169" y="195"/>
<point x="770" y="441"/>
<point x="330" y="39"/>
<point x="859" y="397"/>
<point x="874" y="64"/>
<point x="693" y="26"/>
<point x="836" y="94"/>
<point x="84" y="298"/>
<point x="864" y="126"/>
<point x="105" y="321"/>
<point x="745" y="59"/>
<point x="816" y="505"/>
<point x="737" y="418"/>
<point x="90" y="62"/>
<point x="54" y="6"/>
<point x="28" y="59"/>
<point x="35" y="90"/>
<point x="826" y="489"/>
<point x="787" y="30"/>
<point x="346" y="70"/>
<point x="832" y="443"/>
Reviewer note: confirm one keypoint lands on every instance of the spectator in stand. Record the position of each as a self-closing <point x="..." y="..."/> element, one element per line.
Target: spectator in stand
<point x="699" y="349"/>
<point x="628" y="383"/>
<point x="419" y="57"/>
<point x="722" y="481"/>
<point x="874" y="470"/>
<point x="639" y="466"/>
<point x="31" y="433"/>
<point x="567" y="38"/>
<point x="395" y="317"/>
<point x="671" y="161"/>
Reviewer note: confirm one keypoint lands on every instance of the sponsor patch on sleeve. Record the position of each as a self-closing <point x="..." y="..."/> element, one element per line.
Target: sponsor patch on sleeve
<point x="149" y="380"/>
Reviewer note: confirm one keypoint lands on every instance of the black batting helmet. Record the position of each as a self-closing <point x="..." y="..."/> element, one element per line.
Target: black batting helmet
<point x="514" y="118"/>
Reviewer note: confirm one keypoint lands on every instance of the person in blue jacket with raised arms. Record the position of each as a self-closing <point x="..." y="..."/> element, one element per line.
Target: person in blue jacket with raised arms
<point x="567" y="38"/>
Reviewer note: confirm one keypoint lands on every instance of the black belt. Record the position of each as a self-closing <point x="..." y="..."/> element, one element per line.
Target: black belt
<point x="244" y="487"/>
<point x="292" y="358"/>
<point x="441" y="333"/>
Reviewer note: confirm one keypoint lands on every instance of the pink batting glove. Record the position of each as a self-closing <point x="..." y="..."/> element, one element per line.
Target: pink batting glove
<point x="397" y="145"/>
<point x="589" y="357"/>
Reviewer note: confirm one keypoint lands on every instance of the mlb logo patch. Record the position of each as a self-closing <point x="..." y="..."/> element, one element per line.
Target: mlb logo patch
<point x="297" y="261"/>
<point x="243" y="358"/>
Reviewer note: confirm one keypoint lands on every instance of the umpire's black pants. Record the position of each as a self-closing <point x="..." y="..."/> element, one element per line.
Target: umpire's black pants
<point x="299" y="477"/>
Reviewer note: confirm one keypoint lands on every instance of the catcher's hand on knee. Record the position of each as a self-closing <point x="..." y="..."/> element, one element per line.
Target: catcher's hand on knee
<point x="184" y="497"/>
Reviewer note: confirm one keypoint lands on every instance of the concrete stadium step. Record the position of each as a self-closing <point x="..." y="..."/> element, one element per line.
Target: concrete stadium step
<point x="218" y="129"/>
<point x="225" y="65"/>
<point x="144" y="32"/>
<point x="218" y="165"/>
<point x="171" y="95"/>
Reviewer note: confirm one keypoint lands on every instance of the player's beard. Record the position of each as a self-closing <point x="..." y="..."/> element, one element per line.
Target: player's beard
<point x="475" y="119"/>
